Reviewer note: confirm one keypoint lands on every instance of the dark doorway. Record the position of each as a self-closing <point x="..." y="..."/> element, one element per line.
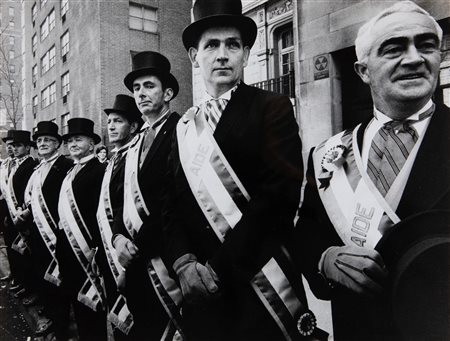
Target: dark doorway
<point x="356" y="99"/>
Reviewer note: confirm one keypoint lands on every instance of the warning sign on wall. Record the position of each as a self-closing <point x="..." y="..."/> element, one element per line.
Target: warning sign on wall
<point x="321" y="66"/>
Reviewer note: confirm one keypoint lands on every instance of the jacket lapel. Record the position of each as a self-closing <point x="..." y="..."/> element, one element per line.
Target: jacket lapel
<point x="161" y="136"/>
<point x="430" y="175"/>
<point x="235" y="110"/>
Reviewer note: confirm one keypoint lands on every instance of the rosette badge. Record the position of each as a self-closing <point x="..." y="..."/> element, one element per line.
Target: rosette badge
<point x="333" y="159"/>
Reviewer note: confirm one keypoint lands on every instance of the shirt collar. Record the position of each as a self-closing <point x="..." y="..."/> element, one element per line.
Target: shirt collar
<point x="84" y="160"/>
<point x="382" y="118"/>
<point x="227" y="95"/>
<point x="164" y="116"/>
<point x="53" y="158"/>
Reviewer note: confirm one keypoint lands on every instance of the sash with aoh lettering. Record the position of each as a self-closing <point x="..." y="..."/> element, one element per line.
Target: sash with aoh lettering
<point x="119" y="315"/>
<point x="4" y="176"/>
<point x="92" y="292"/>
<point x="134" y="212"/>
<point x="45" y="223"/>
<point x="219" y="192"/>
<point x="359" y="213"/>
<point x="19" y="244"/>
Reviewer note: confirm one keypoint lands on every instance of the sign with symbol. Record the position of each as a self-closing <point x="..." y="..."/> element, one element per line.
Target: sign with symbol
<point x="321" y="69"/>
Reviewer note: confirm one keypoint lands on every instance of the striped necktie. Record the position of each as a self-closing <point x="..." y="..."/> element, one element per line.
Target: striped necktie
<point x="213" y="111"/>
<point x="390" y="149"/>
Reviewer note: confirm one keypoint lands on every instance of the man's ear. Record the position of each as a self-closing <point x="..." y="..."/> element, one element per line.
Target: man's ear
<point x="246" y="54"/>
<point x="362" y="71"/>
<point x="133" y="127"/>
<point x="193" y="56"/>
<point x="168" y="94"/>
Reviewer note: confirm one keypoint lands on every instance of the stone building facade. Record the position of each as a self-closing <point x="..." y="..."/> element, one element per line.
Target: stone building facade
<point x="76" y="54"/>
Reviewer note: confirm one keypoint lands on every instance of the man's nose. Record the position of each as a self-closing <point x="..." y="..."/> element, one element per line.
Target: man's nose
<point x="222" y="53"/>
<point x="413" y="56"/>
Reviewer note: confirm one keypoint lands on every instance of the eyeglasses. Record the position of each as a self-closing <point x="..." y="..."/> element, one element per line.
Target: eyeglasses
<point x="45" y="139"/>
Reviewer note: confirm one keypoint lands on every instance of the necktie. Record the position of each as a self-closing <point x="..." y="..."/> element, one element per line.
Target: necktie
<point x="213" y="111"/>
<point x="389" y="151"/>
<point x="149" y="137"/>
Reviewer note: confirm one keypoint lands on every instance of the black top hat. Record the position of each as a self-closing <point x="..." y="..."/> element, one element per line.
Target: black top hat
<point x="22" y="136"/>
<point x="218" y="13"/>
<point x="8" y="136"/>
<point x="81" y="126"/>
<point x="47" y="128"/>
<point x="416" y="252"/>
<point x="151" y="63"/>
<point x="126" y="106"/>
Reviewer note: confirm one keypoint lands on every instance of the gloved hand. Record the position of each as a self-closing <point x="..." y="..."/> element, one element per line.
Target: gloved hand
<point x="126" y="250"/>
<point x="358" y="269"/>
<point x="199" y="283"/>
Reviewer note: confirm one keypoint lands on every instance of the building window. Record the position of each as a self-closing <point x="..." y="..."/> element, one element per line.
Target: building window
<point x="11" y="55"/>
<point x="45" y="63"/>
<point x="65" y="86"/>
<point x="11" y="12"/>
<point x="3" y="116"/>
<point x="35" y="105"/>
<point x="52" y="92"/>
<point x="34" y="44"/>
<point x="143" y="18"/>
<point x="11" y="23"/>
<point x="44" y="29"/>
<point x="286" y="48"/>
<point x="34" y="13"/>
<point x="45" y="99"/>
<point x="12" y="69"/>
<point x="64" y="45"/>
<point x="52" y="56"/>
<point x="51" y="20"/>
<point x="11" y="40"/>
<point x="64" y="124"/>
<point x="34" y="73"/>
<point x="64" y="7"/>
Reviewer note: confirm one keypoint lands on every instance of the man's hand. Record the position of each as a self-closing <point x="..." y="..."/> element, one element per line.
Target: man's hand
<point x="126" y="250"/>
<point x="199" y="283"/>
<point x="358" y="269"/>
<point x="22" y="214"/>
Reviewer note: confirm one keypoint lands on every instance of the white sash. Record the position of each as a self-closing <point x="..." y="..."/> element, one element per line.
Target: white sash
<point x="134" y="212"/>
<point x="45" y="223"/>
<point x="92" y="293"/>
<point x="359" y="213"/>
<point x="217" y="188"/>
<point x="119" y="315"/>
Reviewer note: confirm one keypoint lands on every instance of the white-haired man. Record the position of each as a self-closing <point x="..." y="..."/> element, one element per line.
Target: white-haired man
<point x="363" y="182"/>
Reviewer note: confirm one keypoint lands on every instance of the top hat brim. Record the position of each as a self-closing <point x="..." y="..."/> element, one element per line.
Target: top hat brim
<point x="96" y="138"/>
<point x="416" y="253"/>
<point x="168" y="78"/>
<point x="5" y="139"/>
<point x="38" y="134"/>
<point x="245" y="25"/>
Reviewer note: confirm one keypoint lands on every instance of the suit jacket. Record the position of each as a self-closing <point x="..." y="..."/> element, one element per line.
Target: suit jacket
<point x="21" y="177"/>
<point x="258" y="135"/>
<point x="86" y="188"/>
<point x="50" y="190"/>
<point x="356" y="318"/>
<point x="141" y="297"/>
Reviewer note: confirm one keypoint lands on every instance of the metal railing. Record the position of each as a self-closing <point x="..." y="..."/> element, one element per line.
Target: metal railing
<point x="284" y="85"/>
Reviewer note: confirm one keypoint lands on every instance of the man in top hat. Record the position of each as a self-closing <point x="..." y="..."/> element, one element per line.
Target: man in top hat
<point x="236" y="173"/>
<point x="41" y="198"/>
<point x="124" y="121"/>
<point x="363" y="181"/>
<point x="9" y="232"/>
<point x="17" y="182"/>
<point x="79" y="238"/>
<point x="137" y="231"/>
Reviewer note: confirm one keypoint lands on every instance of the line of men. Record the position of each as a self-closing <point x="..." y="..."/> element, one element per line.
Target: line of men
<point x="187" y="233"/>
